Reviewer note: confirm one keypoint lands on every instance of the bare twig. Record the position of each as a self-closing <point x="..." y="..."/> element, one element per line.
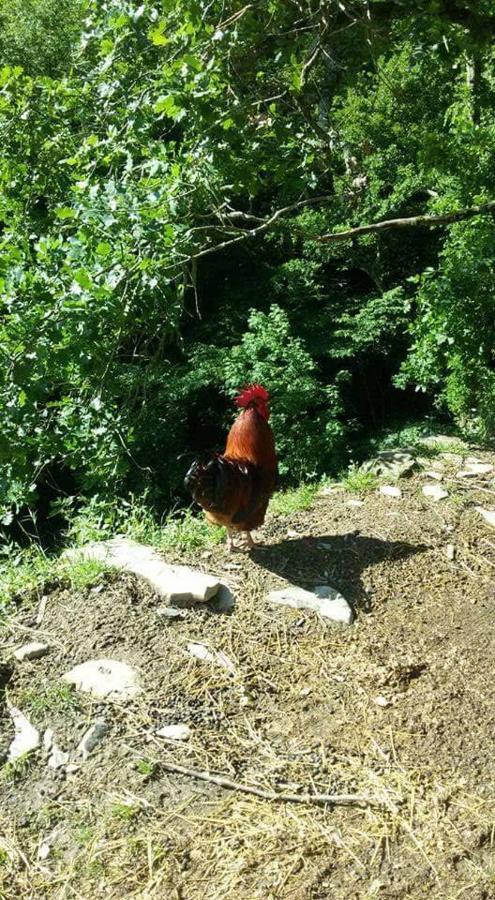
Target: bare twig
<point x="253" y="232"/>
<point x="318" y="799"/>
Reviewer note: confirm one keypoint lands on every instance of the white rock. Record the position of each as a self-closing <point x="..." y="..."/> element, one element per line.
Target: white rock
<point x="174" y="583"/>
<point x="325" y="600"/>
<point x="175" y="732"/>
<point x="450" y="552"/>
<point x="432" y="473"/>
<point x="91" y="738"/>
<point x="488" y="515"/>
<point x="390" y="490"/>
<point x="382" y="701"/>
<point x="199" y="651"/>
<point x="104" y="677"/>
<point x="435" y="492"/>
<point x="355" y="503"/>
<point x="27" y="737"/>
<point x="58" y="759"/>
<point x="293" y="534"/>
<point x="170" y="612"/>
<point x="48" y="740"/>
<point x="474" y="469"/>
<point x="44" y="851"/>
<point x="34" y="650"/>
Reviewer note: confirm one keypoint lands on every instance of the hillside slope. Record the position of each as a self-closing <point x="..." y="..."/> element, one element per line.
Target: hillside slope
<point x="398" y="707"/>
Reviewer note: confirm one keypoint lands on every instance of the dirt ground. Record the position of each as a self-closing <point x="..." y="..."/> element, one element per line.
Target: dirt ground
<point x="398" y="707"/>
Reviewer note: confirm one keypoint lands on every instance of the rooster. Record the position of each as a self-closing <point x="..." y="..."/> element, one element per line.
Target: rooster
<point x="234" y="487"/>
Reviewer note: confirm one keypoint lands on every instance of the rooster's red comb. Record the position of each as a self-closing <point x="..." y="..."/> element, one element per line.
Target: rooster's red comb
<point x="251" y="393"/>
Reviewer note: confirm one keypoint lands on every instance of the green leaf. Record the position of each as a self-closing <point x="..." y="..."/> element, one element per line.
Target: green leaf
<point x="65" y="212"/>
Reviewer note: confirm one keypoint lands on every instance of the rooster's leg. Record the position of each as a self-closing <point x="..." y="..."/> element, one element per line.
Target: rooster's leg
<point x="249" y="541"/>
<point x="230" y="541"/>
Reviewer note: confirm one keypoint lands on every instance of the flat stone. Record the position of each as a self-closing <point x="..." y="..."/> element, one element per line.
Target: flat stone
<point x="394" y="463"/>
<point x="474" y="469"/>
<point x="34" y="650"/>
<point x="435" y="491"/>
<point x="390" y="490"/>
<point x="432" y="473"/>
<point x="325" y="600"/>
<point x="27" y="737"/>
<point x="488" y="515"/>
<point x="175" y="732"/>
<point x="432" y="440"/>
<point x="173" y="583"/>
<point x="91" y="738"/>
<point x="455" y="459"/>
<point x="217" y="657"/>
<point x="105" y="678"/>
<point x="355" y="503"/>
<point x="450" y="552"/>
<point x="58" y="758"/>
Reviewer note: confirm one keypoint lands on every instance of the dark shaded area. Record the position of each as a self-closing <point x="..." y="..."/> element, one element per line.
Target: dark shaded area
<point x="338" y="559"/>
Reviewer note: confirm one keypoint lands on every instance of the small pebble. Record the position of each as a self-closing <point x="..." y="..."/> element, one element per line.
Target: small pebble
<point x="34" y="650"/>
<point x="435" y="492"/>
<point x="91" y="738"/>
<point x="170" y="612"/>
<point x="175" y="732"/>
<point x="488" y="515"/>
<point x="390" y="490"/>
<point x="381" y="701"/>
<point x="58" y="759"/>
<point x="450" y="552"/>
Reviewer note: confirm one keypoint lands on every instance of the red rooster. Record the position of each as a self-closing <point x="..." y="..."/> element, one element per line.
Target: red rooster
<point x="234" y="487"/>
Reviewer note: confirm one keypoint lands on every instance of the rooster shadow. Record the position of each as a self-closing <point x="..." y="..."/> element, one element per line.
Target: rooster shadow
<point x="338" y="560"/>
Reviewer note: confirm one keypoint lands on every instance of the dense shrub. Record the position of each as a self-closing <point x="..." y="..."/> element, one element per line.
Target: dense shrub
<point x="145" y="271"/>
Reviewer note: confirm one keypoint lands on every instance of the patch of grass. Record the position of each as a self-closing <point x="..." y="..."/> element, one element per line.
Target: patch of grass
<point x="135" y="519"/>
<point x="359" y="482"/>
<point x="124" y="811"/>
<point x="283" y="503"/>
<point x="23" y="571"/>
<point x="12" y="772"/>
<point x="53" y="698"/>
<point x="146" y="767"/>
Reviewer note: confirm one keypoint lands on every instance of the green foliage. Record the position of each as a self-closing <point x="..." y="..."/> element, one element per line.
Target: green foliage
<point x="141" y="146"/>
<point x="454" y="347"/>
<point x="40" y="35"/>
<point x="284" y="503"/>
<point x="359" y="482"/>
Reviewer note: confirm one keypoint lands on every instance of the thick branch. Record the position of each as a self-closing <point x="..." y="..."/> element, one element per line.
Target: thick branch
<point x="410" y="222"/>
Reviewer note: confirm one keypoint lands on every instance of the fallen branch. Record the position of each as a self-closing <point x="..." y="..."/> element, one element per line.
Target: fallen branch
<point x="410" y="222"/>
<point x="317" y="799"/>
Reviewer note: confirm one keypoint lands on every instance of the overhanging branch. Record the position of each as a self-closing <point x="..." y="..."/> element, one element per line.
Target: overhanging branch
<point x="409" y="222"/>
<point x="425" y="221"/>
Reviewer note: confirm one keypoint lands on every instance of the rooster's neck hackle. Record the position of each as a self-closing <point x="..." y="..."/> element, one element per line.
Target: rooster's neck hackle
<point x="251" y="439"/>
